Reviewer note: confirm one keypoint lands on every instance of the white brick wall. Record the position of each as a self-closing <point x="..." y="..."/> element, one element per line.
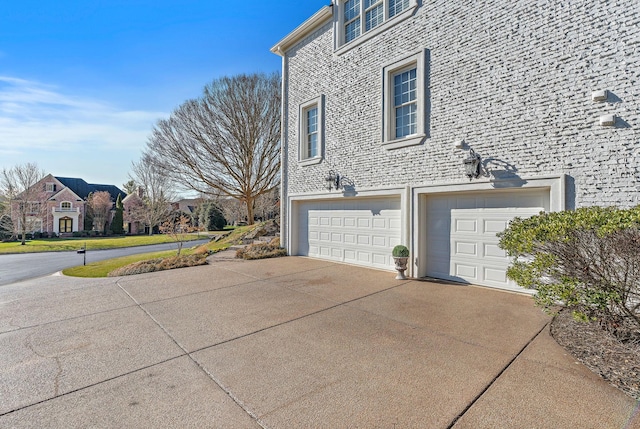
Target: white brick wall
<point x="511" y="78"/>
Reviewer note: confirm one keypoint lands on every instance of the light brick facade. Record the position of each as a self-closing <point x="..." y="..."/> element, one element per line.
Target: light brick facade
<point x="514" y="80"/>
<point x="61" y="205"/>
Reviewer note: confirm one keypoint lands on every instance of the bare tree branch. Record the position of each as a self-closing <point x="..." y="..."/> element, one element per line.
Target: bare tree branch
<point x="157" y="193"/>
<point x="27" y="200"/>
<point x="227" y="141"/>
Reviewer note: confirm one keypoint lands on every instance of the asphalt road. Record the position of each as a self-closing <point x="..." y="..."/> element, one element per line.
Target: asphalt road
<point x="19" y="267"/>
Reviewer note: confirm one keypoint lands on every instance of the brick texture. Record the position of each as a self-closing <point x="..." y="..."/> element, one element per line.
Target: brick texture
<point x="511" y="78"/>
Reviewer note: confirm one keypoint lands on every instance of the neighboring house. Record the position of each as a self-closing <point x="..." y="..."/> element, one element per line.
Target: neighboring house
<point x="187" y="206"/>
<point x="65" y="204"/>
<point x="132" y="203"/>
<point x="383" y="101"/>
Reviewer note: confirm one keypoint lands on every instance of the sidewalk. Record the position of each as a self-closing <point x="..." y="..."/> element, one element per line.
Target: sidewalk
<point x="288" y="343"/>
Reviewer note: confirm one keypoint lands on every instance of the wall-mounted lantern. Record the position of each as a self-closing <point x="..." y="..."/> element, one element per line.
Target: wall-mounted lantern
<point x="472" y="165"/>
<point x="332" y="181"/>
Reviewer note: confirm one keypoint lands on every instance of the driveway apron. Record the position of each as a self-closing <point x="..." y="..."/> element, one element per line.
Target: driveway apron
<point x="288" y="343"/>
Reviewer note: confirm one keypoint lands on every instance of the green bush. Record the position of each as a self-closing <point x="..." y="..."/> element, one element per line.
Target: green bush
<point x="587" y="259"/>
<point x="400" y="251"/>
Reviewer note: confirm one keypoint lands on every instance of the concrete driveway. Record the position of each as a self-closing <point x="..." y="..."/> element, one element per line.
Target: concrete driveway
<point x="287" y="343"/>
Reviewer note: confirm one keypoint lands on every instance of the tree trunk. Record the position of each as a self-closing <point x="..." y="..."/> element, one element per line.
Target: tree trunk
<point x="24" y="230"/>
<point x="250" y="208"/>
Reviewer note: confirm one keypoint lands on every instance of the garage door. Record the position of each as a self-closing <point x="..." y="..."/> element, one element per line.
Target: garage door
<point x="461" y="234"/>
<point x="359" y="231"/>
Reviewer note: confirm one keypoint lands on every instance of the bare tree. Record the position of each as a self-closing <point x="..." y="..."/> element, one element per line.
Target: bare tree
<point x="178" y="227"/>
<point x="156" y="193"/>
<point x="267" y="205"/>
<point x="27" y="200"/>
<point x="101" y="205"/>
<point x="227" y="141"/>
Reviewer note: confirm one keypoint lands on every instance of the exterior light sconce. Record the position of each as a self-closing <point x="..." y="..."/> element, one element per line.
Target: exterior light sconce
<point x="333" y="181"/>
<point x="472" y="165"/>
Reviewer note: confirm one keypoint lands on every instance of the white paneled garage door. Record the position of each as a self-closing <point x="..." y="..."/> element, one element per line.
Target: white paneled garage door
<point x="359" y="231"/>
<point x="461" y="233"/>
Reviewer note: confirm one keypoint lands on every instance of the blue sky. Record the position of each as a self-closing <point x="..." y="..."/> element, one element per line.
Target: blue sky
<point x="83" y="82"/>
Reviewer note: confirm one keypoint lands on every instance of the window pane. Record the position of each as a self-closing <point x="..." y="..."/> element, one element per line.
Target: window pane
<point x="351" y="9"/>
<point x="374" y="17"/>
<point x="406" y="120"/>
<point x="397" y="6"/>
<point x="312" y="120"/>
<point x="404" y="87"/>
<point x="352" y="30"/>
<point x="313" y="146"/>
<point x="312" y="133"/>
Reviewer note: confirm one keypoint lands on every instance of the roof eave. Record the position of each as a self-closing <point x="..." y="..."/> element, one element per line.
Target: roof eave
<point x="319" y="18"/>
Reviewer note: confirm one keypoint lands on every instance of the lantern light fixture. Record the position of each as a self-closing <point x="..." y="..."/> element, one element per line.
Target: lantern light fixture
<point x="333" y="181"/>
<point x="472" y="165"/>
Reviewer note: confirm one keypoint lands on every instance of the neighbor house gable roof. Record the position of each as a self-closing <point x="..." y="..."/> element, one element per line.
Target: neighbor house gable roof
<point x="83" y="189"/>
<point x="62" y="195"/>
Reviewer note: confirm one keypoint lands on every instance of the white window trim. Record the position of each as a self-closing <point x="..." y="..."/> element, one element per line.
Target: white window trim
<point x="389" y="141"/>
<point x="302" y="131"/>
<point x="340" y="46"/>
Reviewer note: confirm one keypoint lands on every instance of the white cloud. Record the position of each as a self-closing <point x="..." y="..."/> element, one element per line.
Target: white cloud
<point x="40" y="123"/>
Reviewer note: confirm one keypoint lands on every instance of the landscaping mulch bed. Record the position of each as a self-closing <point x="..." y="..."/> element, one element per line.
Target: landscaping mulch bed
<point x="616" y="362"/>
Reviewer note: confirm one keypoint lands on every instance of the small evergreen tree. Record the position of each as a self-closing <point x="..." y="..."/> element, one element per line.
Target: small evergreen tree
<point x="211" y="217"/>
<point x="117" y="226"/>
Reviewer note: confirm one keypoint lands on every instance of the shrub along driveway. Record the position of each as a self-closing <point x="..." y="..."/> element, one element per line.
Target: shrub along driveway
<point x="287" y="343"/>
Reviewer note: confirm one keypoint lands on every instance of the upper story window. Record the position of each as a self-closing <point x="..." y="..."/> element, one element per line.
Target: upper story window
<point x="361" y="19"/>
<point x="65" y="205"/>
<point x="311" y="144"/>
<point x="397" y="6"/>
<point x="405" y="102"/>
<point x="311" y="131"/>
<point x="50" y="187"/>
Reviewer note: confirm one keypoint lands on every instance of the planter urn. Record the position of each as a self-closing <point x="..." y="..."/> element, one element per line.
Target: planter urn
<point x="401" y="266"/>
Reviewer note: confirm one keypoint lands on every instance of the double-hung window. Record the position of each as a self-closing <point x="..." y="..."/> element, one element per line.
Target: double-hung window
<point x="311" y="146"/>
<point x="311" y="131"/>
<point x="364" y="18"/>
<point x="404" y="102"/>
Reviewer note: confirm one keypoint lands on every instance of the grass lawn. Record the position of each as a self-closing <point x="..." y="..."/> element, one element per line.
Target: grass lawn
<point x="103" y="268"/>
<point x="94" y="243"/>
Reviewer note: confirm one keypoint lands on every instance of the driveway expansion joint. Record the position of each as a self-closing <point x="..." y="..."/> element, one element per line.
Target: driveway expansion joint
<point x="492" y="382"/>
<point x="230" y="394"/>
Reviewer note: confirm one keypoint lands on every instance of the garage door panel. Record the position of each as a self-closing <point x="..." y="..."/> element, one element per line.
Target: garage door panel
<point x="361" y="231"/>
<point x="364" y="222"/>
<point x="465" y="248"/>
<point x="465" y="271"/>
<point x="380" y="241"/>
<point x="494" y="226"/>
<point x="494" y="251"/>
<point x="461" y="241"/>
<point x="497" y="275"/>
<point x="380" y="259"/>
